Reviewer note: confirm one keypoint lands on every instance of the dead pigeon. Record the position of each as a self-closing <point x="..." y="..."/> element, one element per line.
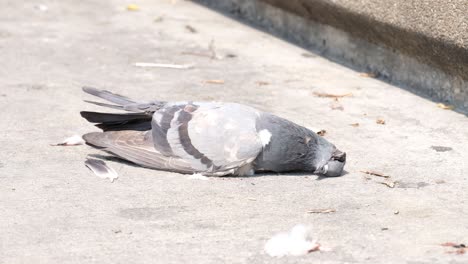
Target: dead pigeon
<point x="210" y="138"/>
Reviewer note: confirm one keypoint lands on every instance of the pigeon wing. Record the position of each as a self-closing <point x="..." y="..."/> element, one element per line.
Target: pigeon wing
<point x="214" y="138"/>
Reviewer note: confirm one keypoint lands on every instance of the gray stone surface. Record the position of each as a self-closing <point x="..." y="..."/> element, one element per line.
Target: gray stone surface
<point x="419" y="45"/>
<point x="54" y="210"/>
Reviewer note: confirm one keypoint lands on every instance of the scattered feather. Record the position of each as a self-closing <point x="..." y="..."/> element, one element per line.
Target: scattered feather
<point x="100" y="169"/>
<point x="164" y="65"/>
<point x="295" y="243"/>
<point x="327" y="95"/>
<point x="71" y="141"/>
<point x="380" y="121"/>
<point x="374" y="173"/>
<point x="133" y="7"/>
<point x="214" y="81"/>
<point x="321" y="211"/>
<point x="445" y="107"/>
<point x="198" y="176"/>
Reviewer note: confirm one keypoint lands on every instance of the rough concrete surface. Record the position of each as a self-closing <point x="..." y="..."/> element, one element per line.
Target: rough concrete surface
<point x="54" y="210"/>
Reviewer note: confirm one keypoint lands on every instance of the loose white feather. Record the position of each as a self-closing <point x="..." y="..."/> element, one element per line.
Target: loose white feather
<point x="100" y="169"/>
<point x="295" y="243"/>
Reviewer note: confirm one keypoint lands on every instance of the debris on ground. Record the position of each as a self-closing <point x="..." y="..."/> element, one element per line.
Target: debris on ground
<point x="261" y="83"/>
<point x="198" y="176"/>
<point x="158" y="19"/>
<point x="415" y="185"/>
<point x="389" y="183"/>
<point x="384" y="228"/>
<point x="322" y="211"/>
<point x="190" y="29"/>
<point x="100" y="169"/>
<point x="75" y="140"/>
<point x="212" y="49"/>
<point x="133" y="7"/>
<point x="367" y="74"/>
<point x="214" y="81"/>
<point x="295" y="243"/>
<point x="380" y="121"/>
<point x="335" y="105"/>
<point x="41" y="7"/>
<point x="321" y="132"/>
<point x="461" y="248"/>
<point x="374" y="173"/>
<point x="445" y="107"/>
<point x="327" y="95"/>
<point x="164" y="65"/>
<point x="199" y="54"/>
<point x="354" y="124"/>
<point x="308" y="55"/>
<point x="441" y="148"/>
<point x="396" y="212"/>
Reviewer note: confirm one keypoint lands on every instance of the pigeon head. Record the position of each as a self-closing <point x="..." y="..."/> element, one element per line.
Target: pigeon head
<point x="328" y="160"/>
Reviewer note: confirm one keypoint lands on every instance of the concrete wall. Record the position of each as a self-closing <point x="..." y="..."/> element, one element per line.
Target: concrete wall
<point x="420" y="45"/>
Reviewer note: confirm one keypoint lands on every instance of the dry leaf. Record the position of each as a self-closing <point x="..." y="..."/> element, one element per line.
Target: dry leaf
<point x="214" y="81"/>
<point x="380" y="121"/>
<point x="445" y="107"/>
<point x="260" y="83"/>
<point x="191" y="29"/>
<point x="133" y="7"/>
<point x="367" y="74"/>
<point x="327" y="95"/>
<point x="354" y="124"/>
<point x="374" y="173"/>
<point x="322" y="132"/>
<point x="321" y="211"/>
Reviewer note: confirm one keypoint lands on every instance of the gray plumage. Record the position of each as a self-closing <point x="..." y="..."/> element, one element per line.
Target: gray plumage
<point x="214" y="139"/>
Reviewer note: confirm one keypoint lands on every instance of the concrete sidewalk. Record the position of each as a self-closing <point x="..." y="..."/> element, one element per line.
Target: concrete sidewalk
<point x="54" y="210"/>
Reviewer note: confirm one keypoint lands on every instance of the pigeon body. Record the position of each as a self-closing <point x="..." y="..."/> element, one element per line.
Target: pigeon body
<point x="214" y="139"/>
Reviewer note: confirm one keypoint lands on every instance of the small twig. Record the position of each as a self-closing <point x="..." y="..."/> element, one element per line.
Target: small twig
<point x="214" y="81"/>
<point x="321" y="211"/>
<point x="332" y="95"/>
<point x="374" y="173"/>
